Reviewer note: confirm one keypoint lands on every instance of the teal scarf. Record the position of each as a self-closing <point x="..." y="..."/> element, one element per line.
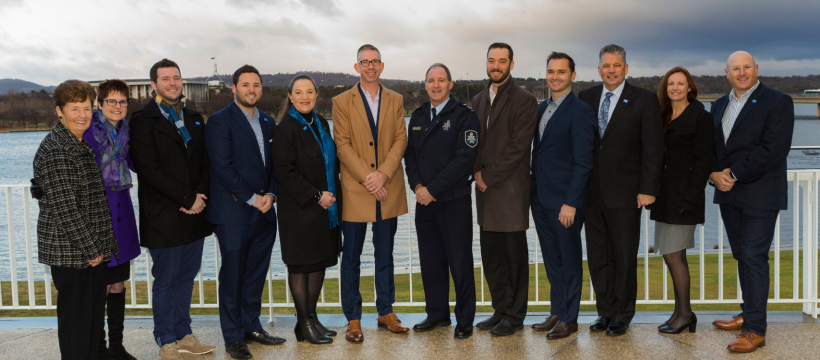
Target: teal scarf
<point x="329" y="153"/>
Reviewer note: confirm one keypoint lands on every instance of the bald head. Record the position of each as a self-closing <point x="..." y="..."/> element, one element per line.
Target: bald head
<point x="741" y="71"/>
<point x="739" y="56"/>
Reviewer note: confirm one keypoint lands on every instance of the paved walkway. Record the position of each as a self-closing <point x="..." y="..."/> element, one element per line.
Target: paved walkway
<point x="791" y="335"/>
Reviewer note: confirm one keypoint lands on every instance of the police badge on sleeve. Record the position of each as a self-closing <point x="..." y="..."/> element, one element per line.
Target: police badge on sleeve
<point x="471" y="138"/>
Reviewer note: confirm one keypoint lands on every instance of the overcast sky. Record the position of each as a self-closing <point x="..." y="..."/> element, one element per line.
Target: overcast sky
<point x="48" y="42"/>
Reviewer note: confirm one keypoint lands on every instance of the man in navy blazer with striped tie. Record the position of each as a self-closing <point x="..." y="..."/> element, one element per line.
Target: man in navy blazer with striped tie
<point x="753" y="135"/>
<point x="243" y="190"/>
<point x="561" y="165"/>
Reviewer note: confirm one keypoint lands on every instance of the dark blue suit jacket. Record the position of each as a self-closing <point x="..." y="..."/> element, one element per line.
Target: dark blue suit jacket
<point x="562" y="158"/>
<point x="237" y="170"/>
<point x="756" y="152"/>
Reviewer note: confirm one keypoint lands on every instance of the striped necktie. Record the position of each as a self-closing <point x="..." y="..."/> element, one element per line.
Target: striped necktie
<point x="603" y="116"/>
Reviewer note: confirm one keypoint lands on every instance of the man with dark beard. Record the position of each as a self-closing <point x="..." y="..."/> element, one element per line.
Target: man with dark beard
<point x="508" y="116"/>
<point x="168" y="151"/>
<point x="243" y="190"/>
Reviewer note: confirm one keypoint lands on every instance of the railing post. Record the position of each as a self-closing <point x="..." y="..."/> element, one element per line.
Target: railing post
<point x="12" y="253"/>
<point x="809" y="185"/>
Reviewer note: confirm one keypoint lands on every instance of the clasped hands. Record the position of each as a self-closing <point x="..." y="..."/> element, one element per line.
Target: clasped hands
<point x="423" y="196"/>
<point x="263" y="203"/>
<point x="723" y="180"/>
<point x="198" y="207"/>
<point x="374" y="183"/>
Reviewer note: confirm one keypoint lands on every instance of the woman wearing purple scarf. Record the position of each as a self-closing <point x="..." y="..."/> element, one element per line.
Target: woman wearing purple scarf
<point x="108" y="135"/>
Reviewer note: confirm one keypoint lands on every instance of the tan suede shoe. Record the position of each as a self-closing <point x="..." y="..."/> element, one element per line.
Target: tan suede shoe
<point x="190" y="344"/>
<point x="169" y="352"/>
<point x="747" y="342"/>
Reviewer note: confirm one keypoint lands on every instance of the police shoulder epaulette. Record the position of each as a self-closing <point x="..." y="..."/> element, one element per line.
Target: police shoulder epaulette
<point x="467" y="106"/>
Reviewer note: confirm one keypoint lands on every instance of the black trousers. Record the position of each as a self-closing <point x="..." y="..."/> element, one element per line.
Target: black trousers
<point x="505" y="256"/>
<point x="613" y="236"/>
<point x="445" y="231"/>
<point x="80" y="310"/>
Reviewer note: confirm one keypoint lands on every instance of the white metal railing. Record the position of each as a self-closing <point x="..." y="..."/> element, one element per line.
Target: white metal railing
<point x="804" y="212"/>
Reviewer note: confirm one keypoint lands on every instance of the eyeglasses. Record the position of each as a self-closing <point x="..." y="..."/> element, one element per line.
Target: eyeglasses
<point x="366" y="63"/>
<point x="112" y="102"/>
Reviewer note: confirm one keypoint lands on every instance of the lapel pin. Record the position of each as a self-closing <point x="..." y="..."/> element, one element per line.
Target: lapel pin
<point x="753" y="102"/>
<point x="626" y="101"/>
<point x="197" y="122"/>
<point x="304" y="128"/>
<point x="266" y="119"/>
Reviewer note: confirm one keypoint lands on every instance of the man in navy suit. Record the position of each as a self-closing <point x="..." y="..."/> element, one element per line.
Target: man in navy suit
<point x="753" y="134"/>
<point x="243" y="190"/>
<point x="561" y="164"/>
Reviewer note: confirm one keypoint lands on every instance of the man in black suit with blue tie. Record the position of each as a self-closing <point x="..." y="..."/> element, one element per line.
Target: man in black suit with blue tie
<point x="243" y="190"/>
<point x="753" y="135"/>
<point x="628" y="157"/>
<point x="561" y="164"/>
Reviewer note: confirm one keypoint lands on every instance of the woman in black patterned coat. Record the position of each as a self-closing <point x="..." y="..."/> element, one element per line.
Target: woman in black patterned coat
<point x="74" y="232"/>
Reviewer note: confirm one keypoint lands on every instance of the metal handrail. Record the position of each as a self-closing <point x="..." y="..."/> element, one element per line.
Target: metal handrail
<point x="806" y="216"/>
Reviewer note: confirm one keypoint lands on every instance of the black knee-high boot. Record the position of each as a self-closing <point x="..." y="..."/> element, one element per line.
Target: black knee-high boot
<point x="116" y="324"/>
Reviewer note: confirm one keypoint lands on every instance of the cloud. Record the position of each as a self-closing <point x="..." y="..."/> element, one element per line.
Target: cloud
<point x="281" y="36"/>
<point x="325" y="7"/>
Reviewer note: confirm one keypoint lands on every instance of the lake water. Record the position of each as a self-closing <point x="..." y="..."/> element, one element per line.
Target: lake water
<point x="17" y="152"/>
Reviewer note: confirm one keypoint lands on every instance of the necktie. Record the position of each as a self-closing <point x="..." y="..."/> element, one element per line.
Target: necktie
<point x="603" y="116"/>
<point x="434" y="115"/>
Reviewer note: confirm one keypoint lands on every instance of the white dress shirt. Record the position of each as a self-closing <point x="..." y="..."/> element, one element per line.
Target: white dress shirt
<point x="373" y="104"/>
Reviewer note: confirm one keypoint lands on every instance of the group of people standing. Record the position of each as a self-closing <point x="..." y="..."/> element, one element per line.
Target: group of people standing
<point x="594" y="160"/>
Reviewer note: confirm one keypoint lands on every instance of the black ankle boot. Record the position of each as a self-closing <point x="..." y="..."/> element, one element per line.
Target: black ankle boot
<point x="321" y="327"/>
<point x="116" y="324"/>
<point x="306" y="330"/>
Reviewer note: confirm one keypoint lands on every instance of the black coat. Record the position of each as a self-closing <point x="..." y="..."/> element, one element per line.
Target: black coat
<point x="628" y="159"/>
<point x="686" y="167"/>
<point x="170" y="176"/>
<point x="441" y="152"/>
<point x="304" y="228"/>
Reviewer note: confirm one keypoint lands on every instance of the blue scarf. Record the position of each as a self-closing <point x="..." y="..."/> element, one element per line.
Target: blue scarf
<point x="329" y="153"/>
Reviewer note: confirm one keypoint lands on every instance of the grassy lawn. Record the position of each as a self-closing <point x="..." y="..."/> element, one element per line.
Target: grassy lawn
<point x="402" y="282"/>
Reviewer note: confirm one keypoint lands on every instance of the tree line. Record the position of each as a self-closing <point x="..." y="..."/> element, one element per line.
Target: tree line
<point x="36" y="109"/>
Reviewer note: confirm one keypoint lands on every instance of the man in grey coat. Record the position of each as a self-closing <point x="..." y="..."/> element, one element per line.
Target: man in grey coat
<point x="508" y="116"/>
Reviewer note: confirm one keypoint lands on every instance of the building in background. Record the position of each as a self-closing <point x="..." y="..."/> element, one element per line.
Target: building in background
<point x="194" y="90"/>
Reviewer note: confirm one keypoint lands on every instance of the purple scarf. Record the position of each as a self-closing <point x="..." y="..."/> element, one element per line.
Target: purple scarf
<point x="113" y="151"/>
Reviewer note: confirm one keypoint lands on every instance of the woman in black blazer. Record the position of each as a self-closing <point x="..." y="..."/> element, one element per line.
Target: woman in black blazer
<point x="304" y="159"/>
<point x="679" y="207"/>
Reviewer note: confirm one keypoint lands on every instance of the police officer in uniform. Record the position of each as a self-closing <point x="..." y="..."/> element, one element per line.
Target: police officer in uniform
<point x="439" y="159"/>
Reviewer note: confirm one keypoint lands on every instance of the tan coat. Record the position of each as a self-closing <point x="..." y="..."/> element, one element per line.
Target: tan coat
<point x="504" y="157"/>
<point x="354" y="148"/>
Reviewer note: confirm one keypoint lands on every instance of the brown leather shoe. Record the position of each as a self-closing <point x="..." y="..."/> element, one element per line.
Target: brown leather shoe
<point x="562" y="330"/>
<point x="735" y="324"/>
<point x="392" y="323"/>
<point x="547" y="324"/>
<point x="747" y="342"/>
<point x="353" y="331"/>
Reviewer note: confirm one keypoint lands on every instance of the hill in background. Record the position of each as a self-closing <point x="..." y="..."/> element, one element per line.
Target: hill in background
<point x="18" y="86"/>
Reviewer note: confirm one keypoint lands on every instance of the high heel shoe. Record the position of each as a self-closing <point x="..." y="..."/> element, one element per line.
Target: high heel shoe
<point x="692" y="324"/>
<point x="306" y="330"/>
<point x="664" y="324"/>
<point x="321" y="327"/>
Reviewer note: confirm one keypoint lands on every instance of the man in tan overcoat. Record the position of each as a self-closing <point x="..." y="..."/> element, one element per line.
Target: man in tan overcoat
<point x="370" y="136"/>
<point x="508" y="116"/>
